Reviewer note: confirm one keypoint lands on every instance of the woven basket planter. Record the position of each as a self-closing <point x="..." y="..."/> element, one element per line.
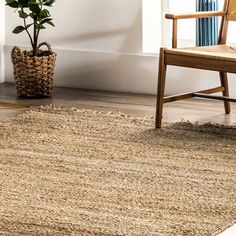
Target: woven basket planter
<point x="34" y="74"/>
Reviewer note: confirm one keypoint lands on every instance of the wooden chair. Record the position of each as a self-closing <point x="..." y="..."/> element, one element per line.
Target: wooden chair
<point x="221" y="58"/>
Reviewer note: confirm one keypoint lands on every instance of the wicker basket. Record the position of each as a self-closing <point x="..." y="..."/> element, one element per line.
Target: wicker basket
<point x="33" y="75"/>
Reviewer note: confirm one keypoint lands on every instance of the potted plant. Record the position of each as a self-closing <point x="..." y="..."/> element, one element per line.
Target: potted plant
<point x="33" y="70"/>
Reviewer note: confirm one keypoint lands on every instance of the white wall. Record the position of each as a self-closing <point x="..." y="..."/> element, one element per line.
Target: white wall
<point x="2" y="40"/>
<point x="99" y="46"/>
<point x="104" y="25"/>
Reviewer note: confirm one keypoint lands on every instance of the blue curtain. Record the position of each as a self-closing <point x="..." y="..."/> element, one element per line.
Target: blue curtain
<point x="207" y="28"/>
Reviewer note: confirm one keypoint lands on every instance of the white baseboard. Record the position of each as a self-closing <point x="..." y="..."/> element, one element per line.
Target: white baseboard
<point x="101" y="70"/>
<point x="122" y="72"/>
<point x="2" y="64"/>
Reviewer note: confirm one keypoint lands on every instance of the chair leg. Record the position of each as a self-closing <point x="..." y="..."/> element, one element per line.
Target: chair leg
<point x="160" y="88"/>
<point x="224" y="83"/>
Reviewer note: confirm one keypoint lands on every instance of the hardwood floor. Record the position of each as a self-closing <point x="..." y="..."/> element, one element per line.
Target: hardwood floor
<point x="134" y="104"/>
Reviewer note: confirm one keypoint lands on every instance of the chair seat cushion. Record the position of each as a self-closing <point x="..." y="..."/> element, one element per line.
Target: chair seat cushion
<point x="221" y="52"/>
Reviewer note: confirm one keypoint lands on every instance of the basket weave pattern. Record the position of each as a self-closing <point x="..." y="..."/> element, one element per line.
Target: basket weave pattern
<point x="33" y="75"/>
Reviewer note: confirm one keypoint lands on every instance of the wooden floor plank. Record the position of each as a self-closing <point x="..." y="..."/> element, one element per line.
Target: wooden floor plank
<point x="195" y="109"/>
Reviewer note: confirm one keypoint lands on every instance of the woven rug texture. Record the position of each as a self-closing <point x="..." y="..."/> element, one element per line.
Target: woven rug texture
<point x="81" y="172"/>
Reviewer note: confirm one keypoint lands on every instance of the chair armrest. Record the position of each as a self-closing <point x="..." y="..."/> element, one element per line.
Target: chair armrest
<point x="202" y="14"/>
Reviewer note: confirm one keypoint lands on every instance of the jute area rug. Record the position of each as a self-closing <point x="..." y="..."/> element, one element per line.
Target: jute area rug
<point x="78" y="172"/>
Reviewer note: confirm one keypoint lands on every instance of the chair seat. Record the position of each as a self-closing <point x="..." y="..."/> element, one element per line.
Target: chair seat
<point x="221" y="52"/>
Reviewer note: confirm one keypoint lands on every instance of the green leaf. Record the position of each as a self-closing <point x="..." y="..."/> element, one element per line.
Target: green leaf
<point x="44" y="13"/>
<point x="12" y="3"/>
<point x="18" y="29"/>
<point x="48" y="3"/>
<point x="51" y="23"/>
<point x="31" y="15"/>
<point x="40" y="27"/>
<point x="27" y="26"/>
<point x="35" y="2"/>
<point x="24" y="3"/>
<point x="45" y="21"/>
<point x="48" y="21"/>
<point x="34" y="8"/>
<point x="23" y="14"/>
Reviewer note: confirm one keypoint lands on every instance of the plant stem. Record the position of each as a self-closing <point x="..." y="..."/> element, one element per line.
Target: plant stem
<point x="31" y="40"/>
<point x="35" y="43"/>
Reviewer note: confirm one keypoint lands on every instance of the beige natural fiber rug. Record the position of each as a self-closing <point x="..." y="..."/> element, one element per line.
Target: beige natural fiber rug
<point x="78" y="172"/>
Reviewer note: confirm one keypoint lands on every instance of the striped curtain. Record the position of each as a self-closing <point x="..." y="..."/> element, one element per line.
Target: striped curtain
<point x="207" y="28"/>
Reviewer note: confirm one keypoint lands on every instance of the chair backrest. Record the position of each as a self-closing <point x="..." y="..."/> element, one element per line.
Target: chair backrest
<point x="231" y="9"/>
